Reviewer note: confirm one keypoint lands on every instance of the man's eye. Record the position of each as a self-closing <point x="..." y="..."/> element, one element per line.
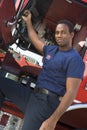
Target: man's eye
<point x="57" y="33"/>
<point x="63" y="32"/>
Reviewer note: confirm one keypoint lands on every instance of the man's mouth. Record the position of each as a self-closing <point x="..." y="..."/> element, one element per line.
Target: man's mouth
<point x="59" y="40"/>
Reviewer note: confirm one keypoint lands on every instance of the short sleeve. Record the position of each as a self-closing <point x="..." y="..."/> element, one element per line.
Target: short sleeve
<point x="49" y="48"/>
<point x="45" y="49"/>
<point x="76" y="68"/>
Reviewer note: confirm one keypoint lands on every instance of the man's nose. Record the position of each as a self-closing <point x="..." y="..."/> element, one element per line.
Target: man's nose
<point x="59" y="34"/>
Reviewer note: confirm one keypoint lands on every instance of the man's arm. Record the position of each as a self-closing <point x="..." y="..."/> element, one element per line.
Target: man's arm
<point x="35" y="40"/>
<point x="72" y="85"/>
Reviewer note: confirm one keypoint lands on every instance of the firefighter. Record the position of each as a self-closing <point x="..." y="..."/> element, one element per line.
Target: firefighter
<point x="57" y="83"/>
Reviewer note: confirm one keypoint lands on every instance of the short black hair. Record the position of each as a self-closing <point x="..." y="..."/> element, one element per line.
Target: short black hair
<point x="68" y="23"/>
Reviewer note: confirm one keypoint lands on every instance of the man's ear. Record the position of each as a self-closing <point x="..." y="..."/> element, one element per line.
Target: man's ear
<point x="72" y="34"/>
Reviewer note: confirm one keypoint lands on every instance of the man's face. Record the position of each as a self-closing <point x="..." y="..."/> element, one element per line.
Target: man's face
<point x="62" y="35"/>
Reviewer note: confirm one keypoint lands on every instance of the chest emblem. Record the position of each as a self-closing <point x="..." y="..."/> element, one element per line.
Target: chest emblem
<point x="48" y="57"/>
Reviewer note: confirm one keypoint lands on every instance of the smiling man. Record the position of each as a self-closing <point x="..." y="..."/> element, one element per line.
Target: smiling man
<point x="57" y="83"/>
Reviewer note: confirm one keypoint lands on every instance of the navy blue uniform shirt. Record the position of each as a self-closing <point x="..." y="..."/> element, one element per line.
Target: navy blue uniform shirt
<point x="57" y="66"/>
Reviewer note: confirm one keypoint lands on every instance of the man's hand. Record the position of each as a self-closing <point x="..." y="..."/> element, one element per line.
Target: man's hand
<point x="48" y="124"/>
<point x="26" y="16"/>
<point x="33" y="36"/>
